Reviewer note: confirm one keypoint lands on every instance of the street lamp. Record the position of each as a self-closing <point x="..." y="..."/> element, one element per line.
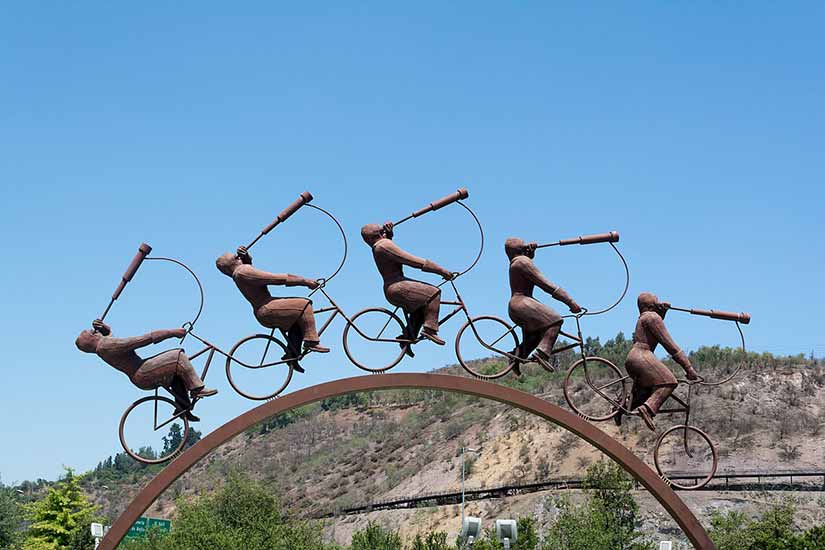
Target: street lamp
<point x="470" y="531"/>
<point x="507" y="531"/>
<point x="463" y="451"/>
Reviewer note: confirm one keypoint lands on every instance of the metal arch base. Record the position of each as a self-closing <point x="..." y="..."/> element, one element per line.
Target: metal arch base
<point x="509" y="396"/>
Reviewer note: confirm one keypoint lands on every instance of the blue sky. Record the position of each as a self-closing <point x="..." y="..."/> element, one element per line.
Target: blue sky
<point x="696" y="130"/>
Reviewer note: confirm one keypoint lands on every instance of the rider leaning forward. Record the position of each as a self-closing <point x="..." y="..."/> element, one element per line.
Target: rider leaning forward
<point x="653" y="382"/>
<point x="420" y="300"/>
<point x="539" y="323"/>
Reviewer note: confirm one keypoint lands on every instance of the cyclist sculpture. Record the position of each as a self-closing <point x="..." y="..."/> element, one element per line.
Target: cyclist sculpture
<point x="168" y="369"/>
<point x="420" y="300"/>
<point x="653" y="382"/>
<point x="540" y="325"/>
<point x="293" y="315"/>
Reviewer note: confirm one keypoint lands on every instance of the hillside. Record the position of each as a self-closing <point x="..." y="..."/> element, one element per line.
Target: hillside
<point x="368" y="447"/>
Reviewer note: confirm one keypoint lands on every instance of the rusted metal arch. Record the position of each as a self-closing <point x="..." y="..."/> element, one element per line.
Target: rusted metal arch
<point x="532" y="404"/>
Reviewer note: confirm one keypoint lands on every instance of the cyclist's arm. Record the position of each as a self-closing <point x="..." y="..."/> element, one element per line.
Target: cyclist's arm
<point x="545" y="284"/>
<point x="656" y="325"/>
<point x="396" y="253"/>
<point x="122" y="345"/>
<point x="257" y="277"/>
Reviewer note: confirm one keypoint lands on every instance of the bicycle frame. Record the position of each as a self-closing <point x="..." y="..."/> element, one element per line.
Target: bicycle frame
<point x="336" y="309"/>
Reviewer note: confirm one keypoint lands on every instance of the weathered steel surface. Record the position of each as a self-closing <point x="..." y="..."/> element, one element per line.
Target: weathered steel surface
<point x="532" y="404"/>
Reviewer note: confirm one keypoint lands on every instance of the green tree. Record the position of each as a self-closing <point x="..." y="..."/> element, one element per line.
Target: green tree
<point x="10" y="516"/>
<point x="58" y="519"/>
<point x="431" y="541"/>
<point x="606" y="520"/>
<point x="375" y="537"/>
<point x="608" y="487"/>
<point x="814" y="538"/>
<point x="242" y="514"/>
<point x="773" y="531"/>
<point x="172" y="439"/>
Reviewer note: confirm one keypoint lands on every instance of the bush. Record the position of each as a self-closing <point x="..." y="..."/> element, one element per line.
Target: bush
<point x="375" y="537"/>
<point x="773" y="531"/>
<point x="242" y="514"/>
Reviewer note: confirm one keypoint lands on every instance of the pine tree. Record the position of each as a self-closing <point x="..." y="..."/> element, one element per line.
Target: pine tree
<point x="10" y="516"/>
<point x="59" y="515"/>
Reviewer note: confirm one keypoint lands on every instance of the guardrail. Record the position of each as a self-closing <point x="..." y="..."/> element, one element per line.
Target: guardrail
<point x="778" y="480"/>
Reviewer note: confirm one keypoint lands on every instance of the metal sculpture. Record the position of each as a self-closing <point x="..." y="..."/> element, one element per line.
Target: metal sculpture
<point x="597" y="390"/>
<point x="659" y="488"/>
<point x="589" y="380"/>
<point x="542" y="324"/>
<point x="293" y="316"/>
<point x="171" y="370"/>
<point x="653" y="382"/>
<point x="420" y="301"/>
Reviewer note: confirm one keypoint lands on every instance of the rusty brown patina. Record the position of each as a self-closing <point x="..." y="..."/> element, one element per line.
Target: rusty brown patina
<point x="530" y="403"/>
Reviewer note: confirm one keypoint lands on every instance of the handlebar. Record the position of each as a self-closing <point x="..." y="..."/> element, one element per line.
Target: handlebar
<point x="611" y="237"/>
<point x="461" y="193"/>
<point x="302" y="199"/>
<point x="743" y="318"/>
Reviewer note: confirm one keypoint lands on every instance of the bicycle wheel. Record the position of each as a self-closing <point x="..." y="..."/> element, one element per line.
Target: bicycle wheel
<point x="685" y="451"/>
<point x="487" y="335"/>
<point x="372" y="333"/>
<point x="150" y="426"/>
<point x="585" y="379"/>
<point x="256" y="362"/>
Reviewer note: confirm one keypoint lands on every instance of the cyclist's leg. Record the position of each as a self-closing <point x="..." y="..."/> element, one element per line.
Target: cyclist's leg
<point x="157" y="371"/>
<point x="530" y="341"/>
<point x="548" y="340"/>
<point x="284" y="313"/>
<point x="294" y="337"/>
<point x="179" y="393"/>
<point x="658" y="397"/>
<point x="186" y="372"/>
<point x="416" y="321"/>
<point x="431" y="311"/>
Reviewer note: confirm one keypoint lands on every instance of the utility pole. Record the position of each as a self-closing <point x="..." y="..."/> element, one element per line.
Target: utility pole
<point x="463" y="451"/>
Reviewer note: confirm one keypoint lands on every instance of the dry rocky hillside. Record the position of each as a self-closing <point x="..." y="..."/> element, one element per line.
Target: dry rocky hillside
<point x="369" y="447"/>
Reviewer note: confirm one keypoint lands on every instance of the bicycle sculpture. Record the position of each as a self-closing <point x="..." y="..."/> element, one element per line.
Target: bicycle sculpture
<point x="597" y="390"/>
<point x="420" y="302"/>
<point x="293" y="317"/>
<point x="541" y="326"/>
<point x="171" y="370"/>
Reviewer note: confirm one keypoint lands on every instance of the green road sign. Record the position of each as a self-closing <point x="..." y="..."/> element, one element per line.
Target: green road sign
<point x="142" y="525"/>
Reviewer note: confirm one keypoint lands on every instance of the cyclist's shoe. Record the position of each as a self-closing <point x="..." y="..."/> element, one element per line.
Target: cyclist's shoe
<point x="644" y="412"/>
<point x="432" y="336"/>
<point x="515" y="364"/>
<point x="188" y="415"/>
<point x="406" y="346"/>
<point x="202" y="392"/>
<point x="617" y="415"/>
<point x="316" y="347"/>
<point x="293" y="363"/>
<point x="542" y="359"/>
